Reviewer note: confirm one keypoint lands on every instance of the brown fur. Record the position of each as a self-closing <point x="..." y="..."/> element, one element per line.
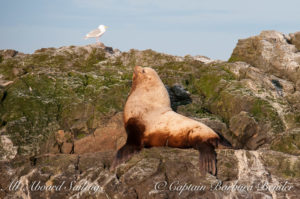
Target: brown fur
<point x="150" y="122"/>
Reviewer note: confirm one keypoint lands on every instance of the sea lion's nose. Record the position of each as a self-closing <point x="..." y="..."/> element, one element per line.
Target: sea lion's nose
<point x="138" y="69"/>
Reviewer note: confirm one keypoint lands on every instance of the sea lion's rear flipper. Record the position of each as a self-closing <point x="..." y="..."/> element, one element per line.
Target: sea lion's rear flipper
<point x="207" y="158"/>
<point x="134" y="129"/>
<point x="223" y="143"/>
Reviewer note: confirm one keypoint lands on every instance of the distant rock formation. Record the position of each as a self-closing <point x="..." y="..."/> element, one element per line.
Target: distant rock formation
<point x="272" y="52"/>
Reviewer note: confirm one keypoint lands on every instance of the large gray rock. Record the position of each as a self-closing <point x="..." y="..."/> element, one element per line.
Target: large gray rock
<point x="246" y="130"/>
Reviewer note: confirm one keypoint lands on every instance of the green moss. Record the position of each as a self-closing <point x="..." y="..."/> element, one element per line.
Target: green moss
<point x="66" y="59"/>
<point x="289" y="173"/>
<point x="80" y="135"/>
<point x="234" y="58"/>
<point x="93" y="58"/>
<point x="70" y="87"/>
<point x="262" y="110"/>
<point x="282" y="165"/>
<point x="292" y="120"/>
<point x="257" y="109"/>
<point x="113" y="99"/>
<point x="29" y="111"/>
<point x="206" y="81"/>
<point x="46" y="169"/>
<point x="287" y="169"/>
<point x="288" y="143"/>
<point x="40" y="58"/>
<point x="224" y="96"/>
<point x="38" y="104"/>
<point x="228" y="165"/>
<point x="60" y="60"/>
<point x="6" y="68"/>
<point x="297" y="118"/>
<point x="207" y="85"/>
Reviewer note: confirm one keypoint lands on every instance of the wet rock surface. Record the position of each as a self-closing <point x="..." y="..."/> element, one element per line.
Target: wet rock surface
<point x="61" y="121"/>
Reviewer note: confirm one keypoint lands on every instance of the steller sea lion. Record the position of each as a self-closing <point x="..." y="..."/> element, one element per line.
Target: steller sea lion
<point x="150" y="122"/>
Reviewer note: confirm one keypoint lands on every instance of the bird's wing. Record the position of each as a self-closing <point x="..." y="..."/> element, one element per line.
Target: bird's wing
<point x="94" y="33"/>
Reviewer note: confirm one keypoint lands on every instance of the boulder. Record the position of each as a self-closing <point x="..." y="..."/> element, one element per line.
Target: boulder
<point x="245" y="129"/>
<point x="295" y="39"/>
<point x="9" y="53"/>
<point x="271" y="52"/>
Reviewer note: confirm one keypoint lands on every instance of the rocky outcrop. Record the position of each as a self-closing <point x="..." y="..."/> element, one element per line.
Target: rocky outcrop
<point x="61" y="121"/>
<point x="154" y="173"/>
<point x="294" y="38"/>
<point x="272" y="52"/>
<point x="9" y="53"/>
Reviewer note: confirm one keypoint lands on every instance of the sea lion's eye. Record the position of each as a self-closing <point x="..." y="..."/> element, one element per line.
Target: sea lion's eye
<point x="143" y="71"/>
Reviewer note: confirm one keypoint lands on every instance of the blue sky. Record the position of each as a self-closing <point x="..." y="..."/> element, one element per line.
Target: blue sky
<point x="196" y="27"/>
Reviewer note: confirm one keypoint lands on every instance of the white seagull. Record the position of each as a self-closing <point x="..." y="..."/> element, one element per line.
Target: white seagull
<point x="96" y="33"/>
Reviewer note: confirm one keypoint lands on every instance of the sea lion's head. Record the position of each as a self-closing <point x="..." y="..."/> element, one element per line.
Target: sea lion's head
<point x="145" y="77"/>
<point x="147" y="86"/>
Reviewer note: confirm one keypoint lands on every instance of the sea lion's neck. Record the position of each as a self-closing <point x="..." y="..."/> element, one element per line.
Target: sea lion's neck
<point x="154" y="96"/>
<point x="143" y="100"/>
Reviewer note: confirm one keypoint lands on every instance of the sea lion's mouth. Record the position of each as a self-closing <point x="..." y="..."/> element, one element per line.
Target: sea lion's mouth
<point x="136" y="71"/>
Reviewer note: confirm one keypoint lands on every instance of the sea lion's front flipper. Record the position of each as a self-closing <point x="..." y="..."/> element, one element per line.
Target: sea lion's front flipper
<point x="124" y="154"/>
<point x="134" y="129"/>
<point x="207" y="158"/>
